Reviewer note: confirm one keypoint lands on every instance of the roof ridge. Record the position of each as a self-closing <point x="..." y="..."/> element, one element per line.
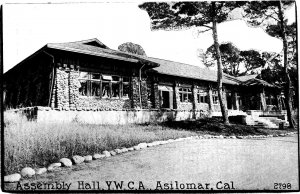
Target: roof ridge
<point x="83" y="42"/>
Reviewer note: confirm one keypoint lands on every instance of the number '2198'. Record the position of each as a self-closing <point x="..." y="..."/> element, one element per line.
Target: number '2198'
<point x="282" y="186"/>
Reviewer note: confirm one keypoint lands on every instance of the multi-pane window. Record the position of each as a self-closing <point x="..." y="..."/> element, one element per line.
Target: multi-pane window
<point x="185" y="94"/>
<point x="103" y="86"/>
<point x="202" y="96"/>
<point x="215" y="97"/>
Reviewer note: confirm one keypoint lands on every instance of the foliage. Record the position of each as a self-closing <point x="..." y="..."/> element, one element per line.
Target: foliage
<point x="266" y="14"/>
<point x="130" y="47"/>
<point x="179" y="15"/>
<point x="235" y="62"/>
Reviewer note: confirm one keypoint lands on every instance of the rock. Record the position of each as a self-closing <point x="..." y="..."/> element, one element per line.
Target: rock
<point x="124" y="150"/>
<point x="12" y="178"/>
<point x="200" y="137"/>
<point x="275" y="135"/>
<point x="41" y="170"/>
<point x="118" y="151"/>
<point x="98" y="156"/>
<point x="88" y="158"/>
<point x="106" y="153"/>
<point x="150" y="144"/>
<point x="136" y="147"/>
<point x="130" y="149"/>
<point x="77" y="159"/>
<point x="232" y="137"/>
<point x="221" y="136"/>
<point x="142" y="145"/>
<point x="281" y="135"/>
<point x="163" y="142"/>
<point x="27" y="171"/>
<point x="66" y="162"/>
<point x="54" y="166"/>
<point x="113" y="153"/>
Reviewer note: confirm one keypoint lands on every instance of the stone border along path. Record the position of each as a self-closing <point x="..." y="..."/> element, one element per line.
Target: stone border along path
<point x="65" y="162"/>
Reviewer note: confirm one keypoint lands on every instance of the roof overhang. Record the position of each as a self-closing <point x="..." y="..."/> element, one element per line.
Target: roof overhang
<point x="86" y="52"/>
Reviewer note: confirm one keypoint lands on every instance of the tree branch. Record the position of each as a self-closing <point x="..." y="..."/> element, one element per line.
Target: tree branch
<point x="207" y="26"/>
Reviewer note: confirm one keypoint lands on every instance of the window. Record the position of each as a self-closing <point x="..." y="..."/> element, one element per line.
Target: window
<point x="103" y="86"/>
<point x="215" y="97"/>
<point x="202" y="96"/>
<point x="185" y="94"/>
<point x="84" y="80"/>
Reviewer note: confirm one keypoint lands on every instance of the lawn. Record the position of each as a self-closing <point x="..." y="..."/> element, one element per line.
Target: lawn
<point x="39" y="144"/>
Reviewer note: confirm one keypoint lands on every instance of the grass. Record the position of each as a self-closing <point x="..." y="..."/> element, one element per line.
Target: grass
<point x="39" y="144"/>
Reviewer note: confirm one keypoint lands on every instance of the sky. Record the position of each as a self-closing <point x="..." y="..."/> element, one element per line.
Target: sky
<point x="28" y="27"/>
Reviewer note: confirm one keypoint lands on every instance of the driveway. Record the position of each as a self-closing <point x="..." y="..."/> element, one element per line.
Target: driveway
<point x="204" y="164"/>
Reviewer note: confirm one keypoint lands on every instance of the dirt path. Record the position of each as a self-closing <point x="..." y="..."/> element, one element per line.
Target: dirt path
<point x="190" y="164"/>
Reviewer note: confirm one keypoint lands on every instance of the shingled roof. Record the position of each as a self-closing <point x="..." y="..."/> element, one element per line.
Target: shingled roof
<point x="161" y="66"/>
<point x="190" y="71"/>
<point x="91" y="48"/>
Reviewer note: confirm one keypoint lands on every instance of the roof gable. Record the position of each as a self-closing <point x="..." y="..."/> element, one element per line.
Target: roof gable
<point x="92" y="42"/>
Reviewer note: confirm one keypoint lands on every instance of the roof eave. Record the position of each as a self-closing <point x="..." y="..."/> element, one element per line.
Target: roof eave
<point x="93" y="54"/>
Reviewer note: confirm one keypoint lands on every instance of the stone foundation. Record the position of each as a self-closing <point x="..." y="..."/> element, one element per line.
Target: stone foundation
<point x="117" y="117"/>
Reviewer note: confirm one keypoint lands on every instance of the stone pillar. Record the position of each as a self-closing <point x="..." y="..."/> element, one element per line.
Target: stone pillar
<point x="62" y="81"/>
<point x="224" y="92"/>
<point x="194" y="94"/>
<point x="144" y="93"/>
<point x="263" y="100"/>
<point x="210" y="98"/>
<point x="177" y="96"/>
<point x="278" y="97"/>
<point x="74" y="86"/>
<point x="135" y="93"/>
<point x="174" y="96"/>
<point x="235" y="102"/>
<point x="156" y="96"/>
<point x="54" y="94"/>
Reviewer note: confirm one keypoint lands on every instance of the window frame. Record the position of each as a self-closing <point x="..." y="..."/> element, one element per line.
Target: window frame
<point x="101" y="81"/>
<point x="185" y="91"/>
<point x="215" y="97"/>
<point x="200" y="97"/>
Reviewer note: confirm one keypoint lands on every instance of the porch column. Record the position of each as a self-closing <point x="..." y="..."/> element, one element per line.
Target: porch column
<point x="278" y="97"/>
<point x="156" y="95"/>
<point x="263" y="100"/>
<point x="235" y="102"/>
<point x="135" y="93"/>
<point x="210" y="98"/>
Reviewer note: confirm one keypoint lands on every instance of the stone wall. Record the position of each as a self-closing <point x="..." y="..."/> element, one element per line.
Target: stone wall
<point x="117" y="117"/>
<point x="65" y="95"/>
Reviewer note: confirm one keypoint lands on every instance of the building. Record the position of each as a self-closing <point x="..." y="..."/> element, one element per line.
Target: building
<point x="64" y="80"/>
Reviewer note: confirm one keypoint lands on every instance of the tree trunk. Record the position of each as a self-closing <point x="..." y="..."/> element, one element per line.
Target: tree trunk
<point x="219" y="63"/>
<point x="287" y="88"/>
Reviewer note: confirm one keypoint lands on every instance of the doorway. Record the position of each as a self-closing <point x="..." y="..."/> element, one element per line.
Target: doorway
<point x="165" y="95"/>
